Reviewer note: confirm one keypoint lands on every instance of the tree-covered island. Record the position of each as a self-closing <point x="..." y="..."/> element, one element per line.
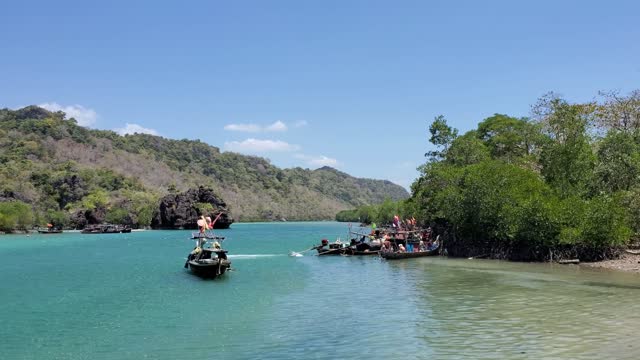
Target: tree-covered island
<point x="562" y="184"/>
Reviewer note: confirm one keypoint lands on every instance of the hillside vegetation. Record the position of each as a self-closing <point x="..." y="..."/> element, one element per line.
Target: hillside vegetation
<point x="60" y="170"/>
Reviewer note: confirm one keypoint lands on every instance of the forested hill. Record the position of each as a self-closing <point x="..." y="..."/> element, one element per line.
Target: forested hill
<point x="58" y="167"/>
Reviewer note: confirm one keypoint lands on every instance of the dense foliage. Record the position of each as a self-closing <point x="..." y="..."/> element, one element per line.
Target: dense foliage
<point x="71" y="175"/>
<point x="565" y="183"/>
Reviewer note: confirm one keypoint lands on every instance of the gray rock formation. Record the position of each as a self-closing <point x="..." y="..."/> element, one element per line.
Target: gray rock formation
<point x="181" y="211"/>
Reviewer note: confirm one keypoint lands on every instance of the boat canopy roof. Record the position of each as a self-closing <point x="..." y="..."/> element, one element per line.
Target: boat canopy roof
<point x="217" y="251"/>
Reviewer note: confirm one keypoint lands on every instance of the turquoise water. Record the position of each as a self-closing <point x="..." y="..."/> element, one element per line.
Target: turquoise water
<point x="127" y="296"/>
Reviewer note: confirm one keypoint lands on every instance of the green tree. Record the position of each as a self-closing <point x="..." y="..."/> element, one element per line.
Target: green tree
<point x="142" y="205"/>
<point x="96" y="199"/>
<point x="348" y="216"/>
<point x="117" y="216"/>
<point x="15" y="215"/>
<point x="57" y="218"/>
<point x="386" y="211"/>
<point x="205" y="209"/>
<point x="567" y="160"/>
<point x="367" y="214"/>
<point x="509" y="138"/>
<point x="466" y="150"/>
<point x="618" y="162"/>
<point x="442" y="135"/>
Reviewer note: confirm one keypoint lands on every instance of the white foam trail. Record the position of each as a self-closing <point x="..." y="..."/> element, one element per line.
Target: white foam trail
<point x="251" y="256"/>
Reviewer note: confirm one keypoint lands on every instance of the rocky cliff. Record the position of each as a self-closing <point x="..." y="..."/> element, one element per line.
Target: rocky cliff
<point x="181" y="211"/>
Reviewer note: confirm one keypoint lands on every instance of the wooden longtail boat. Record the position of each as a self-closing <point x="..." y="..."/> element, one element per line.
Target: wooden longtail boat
<point x="50" y="231"/>
<point x="390" y="255"/>
<point x="326" y="248"/>
<point x="208" y="262"/>
<point x="354" y="248"/>
<point x="362" y="245"/>
<point x="106" y="229"/>
<point x="351" y="252"/>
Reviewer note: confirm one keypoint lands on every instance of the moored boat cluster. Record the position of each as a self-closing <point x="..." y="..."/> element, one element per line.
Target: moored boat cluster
<point x="388" y="243"/>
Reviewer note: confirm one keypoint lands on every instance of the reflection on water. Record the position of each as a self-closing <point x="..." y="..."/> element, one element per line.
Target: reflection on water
<point x="104" y="297"/>
<point x="488" y="309"/>
<point x="454" y="309"/>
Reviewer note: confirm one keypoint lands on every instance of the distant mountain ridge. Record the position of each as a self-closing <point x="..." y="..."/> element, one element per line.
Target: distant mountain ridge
<point x="58" y="166"/>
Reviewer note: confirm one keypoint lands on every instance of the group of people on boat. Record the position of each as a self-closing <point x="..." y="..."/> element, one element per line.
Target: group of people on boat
<point x="408" y="241"/>
<point x="421" y="246"/>
<point x="383" y="240"/>
<point x="407" y="224"/>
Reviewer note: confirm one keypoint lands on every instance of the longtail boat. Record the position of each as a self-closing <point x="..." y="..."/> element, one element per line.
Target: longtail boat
<point x="49" y="231"/>
<point x="362" y="245"/>
<point x="334" y="248"/>
<point x="391" y="255"/>
<point x="208" y="261"/>
<point x="106" y="229"/>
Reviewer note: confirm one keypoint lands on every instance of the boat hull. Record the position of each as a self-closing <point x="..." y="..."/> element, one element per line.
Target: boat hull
<point x="50" y="232"/>
<point x="328" y="252"/>
<point x="209" y="270"/>
<point x="106" y="229"/>
<point x="408" y="255"/>
<point x="349" y="252"/>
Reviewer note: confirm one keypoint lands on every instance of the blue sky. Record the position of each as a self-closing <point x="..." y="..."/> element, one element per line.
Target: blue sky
<point x="352" y="84"/>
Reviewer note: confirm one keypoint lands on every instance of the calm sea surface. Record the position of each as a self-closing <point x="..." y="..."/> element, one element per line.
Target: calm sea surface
<point x="127" y="296"/>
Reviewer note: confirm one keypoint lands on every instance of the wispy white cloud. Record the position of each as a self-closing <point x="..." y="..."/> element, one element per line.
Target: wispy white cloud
<point x="324" y="161"/>
<point x="84" y="116"/>
<point x="257" y="146"/>
<point x="135" y="128"/>
<point x="276" y="126"/>
<point x="254" y="128"/>
<point x="243" y="127"/>
<point x="318" y="161"/>
<point x="300" y="123"/>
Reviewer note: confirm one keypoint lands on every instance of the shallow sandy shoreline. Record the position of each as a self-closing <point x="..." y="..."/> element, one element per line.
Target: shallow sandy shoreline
<point x="627" y="262"/>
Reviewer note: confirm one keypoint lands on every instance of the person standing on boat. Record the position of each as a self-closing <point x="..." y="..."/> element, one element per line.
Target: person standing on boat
<point x="396" y="221"/>
<point x="202" y="226"/>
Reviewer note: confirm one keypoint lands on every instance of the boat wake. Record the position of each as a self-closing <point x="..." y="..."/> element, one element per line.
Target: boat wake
<point x="251" y="256"/>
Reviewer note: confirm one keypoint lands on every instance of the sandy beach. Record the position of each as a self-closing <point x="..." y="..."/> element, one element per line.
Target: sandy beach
<point x="627" y="262"/>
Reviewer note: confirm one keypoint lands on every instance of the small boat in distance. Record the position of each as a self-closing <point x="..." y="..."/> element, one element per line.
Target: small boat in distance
<point x="49" y="231"/>
<point x="106" y="229"/>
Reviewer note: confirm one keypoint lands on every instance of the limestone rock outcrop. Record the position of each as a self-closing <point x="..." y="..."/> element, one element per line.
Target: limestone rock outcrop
<point x="181" y="211"/>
